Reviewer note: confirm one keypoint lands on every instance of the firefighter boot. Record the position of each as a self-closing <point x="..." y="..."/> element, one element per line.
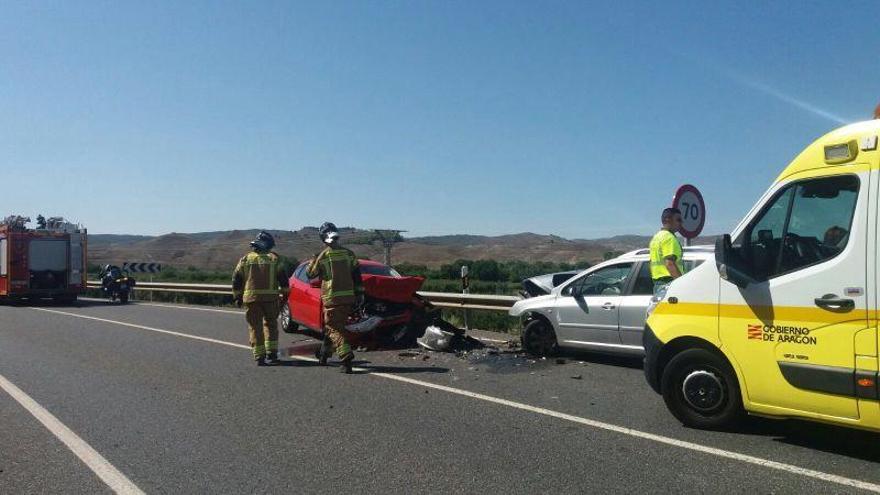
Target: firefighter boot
<point x="261" y="361"/>
<point x="272" y="358"/>
<point x="346" y="364"/>
<point x="323" y="353"/>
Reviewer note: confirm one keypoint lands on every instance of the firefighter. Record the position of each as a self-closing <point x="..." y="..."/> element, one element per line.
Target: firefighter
<point x="666" y="252"/>
<point x="259" y="285"/>
<point x="341" y="291"/>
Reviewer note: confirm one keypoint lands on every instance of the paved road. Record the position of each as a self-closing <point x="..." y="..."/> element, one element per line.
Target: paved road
<point x="168" y="396"/>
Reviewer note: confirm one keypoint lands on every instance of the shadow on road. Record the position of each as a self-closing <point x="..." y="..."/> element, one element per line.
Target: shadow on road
<point x="598" y="358"/>
<point x="857" y="444"/>
<point x="397" y="370"/>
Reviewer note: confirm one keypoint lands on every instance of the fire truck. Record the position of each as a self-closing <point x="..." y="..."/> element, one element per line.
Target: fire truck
<point x="46" y="262"/>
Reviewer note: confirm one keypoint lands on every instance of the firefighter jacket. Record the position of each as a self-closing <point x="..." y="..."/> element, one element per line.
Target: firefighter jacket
<point x="340" y="276"/>
<point x="257" y="278"/>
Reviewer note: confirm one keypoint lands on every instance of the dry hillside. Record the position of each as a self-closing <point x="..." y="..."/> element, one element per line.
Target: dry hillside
<point x="220" y="250"/>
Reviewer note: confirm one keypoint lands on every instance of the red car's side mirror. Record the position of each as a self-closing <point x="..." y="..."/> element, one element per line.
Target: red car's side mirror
<point x="315" y="283"/>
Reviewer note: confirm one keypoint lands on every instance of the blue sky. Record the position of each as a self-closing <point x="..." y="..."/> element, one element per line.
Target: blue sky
<point x="571" y="118"/>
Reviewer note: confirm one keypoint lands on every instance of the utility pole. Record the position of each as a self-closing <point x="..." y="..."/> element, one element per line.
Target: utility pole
<point x="389" y="238"/>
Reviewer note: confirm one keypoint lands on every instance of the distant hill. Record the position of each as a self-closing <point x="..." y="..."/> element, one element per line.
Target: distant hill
<point x="220" y="250"/>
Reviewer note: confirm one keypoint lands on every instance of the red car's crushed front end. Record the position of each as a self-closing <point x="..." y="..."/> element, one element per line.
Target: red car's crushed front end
<point x="392" y="314"/>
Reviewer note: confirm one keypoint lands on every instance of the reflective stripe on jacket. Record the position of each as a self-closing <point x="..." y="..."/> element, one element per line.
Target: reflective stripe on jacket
<point x="256" y="278"/>
<point x="340" y="275"/>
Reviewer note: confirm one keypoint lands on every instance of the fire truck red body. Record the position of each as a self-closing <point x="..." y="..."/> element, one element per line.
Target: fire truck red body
<point x="42" y="263"/>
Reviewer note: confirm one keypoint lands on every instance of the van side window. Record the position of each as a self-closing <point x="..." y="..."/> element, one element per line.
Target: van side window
<point x="806" y="223"/>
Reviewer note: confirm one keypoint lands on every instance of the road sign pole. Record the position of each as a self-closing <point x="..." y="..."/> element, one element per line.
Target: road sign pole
<point x="465" y="289"/>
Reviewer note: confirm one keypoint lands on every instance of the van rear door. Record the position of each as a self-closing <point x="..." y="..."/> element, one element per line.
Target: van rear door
<point x="795" y="326"/>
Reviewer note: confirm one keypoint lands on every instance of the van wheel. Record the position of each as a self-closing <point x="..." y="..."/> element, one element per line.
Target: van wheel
<point x="539" y="338"/>
<point x="700" y="389"/>
<point x="284" y="320"/>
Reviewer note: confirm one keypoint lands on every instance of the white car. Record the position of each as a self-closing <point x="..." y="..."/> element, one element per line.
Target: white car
<point x="600" y="309"/>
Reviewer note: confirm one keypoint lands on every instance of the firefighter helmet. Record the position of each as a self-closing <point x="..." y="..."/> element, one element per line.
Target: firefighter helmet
<point x="328" y="232"/>
<point x="263" y="242"/>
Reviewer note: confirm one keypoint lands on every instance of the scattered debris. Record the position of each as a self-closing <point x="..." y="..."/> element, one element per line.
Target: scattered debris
<point x="436" y="339"/>
<point x="409" y="354"/>
<point x="577" y="377"/>
<point x="560" y="361"/>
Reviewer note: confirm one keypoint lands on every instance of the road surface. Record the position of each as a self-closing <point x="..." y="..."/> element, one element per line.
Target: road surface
<point x="96" y="398"/>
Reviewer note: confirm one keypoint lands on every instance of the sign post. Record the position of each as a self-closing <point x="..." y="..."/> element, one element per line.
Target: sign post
<point x="150" y="268"/>
<point x="689" y="201"/>
<point x="465" y="289"/>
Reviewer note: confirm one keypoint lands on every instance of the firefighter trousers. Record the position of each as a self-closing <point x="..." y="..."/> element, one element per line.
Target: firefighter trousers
<point x="335" y="318"/>
<point x="262" y="320"/>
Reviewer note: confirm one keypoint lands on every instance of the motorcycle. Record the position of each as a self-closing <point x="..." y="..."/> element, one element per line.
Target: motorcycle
<point x="116" y="284"/>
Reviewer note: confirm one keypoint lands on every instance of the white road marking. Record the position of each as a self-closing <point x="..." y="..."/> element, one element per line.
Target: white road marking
<point x="239" y="313"/>
<point x="117" y="481"/>
<point x="726" y="454"/>
<point x="173" y="306"/>
<point x="191" y="308"/>
<point x="142" y="327"/>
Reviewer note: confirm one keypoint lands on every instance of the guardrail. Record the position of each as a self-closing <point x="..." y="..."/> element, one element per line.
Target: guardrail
<point x="486" y="302"/>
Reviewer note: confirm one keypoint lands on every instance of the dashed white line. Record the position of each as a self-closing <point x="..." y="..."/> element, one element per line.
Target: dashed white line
<point x="726" y="454"/>
<point x="117" y="481"/>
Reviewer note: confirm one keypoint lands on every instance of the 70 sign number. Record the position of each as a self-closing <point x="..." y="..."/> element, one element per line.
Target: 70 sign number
<point x="689" y="210"/>
<point x="693" y="210"/>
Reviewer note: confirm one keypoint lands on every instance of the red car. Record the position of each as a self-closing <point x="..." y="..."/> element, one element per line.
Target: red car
<point x="390" y="314"/>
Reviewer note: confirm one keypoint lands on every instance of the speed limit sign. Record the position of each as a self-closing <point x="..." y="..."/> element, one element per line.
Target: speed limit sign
<point x="693" y="210"/>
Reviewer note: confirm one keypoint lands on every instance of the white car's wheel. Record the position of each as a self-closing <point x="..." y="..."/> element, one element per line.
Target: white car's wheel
<point x="539" y="338"/>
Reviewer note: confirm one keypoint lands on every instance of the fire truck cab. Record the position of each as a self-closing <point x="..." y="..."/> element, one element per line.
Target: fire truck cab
<point x="47" y="262"/>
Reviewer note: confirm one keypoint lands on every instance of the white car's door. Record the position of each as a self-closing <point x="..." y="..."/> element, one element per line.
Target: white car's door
<point x="634" y="304"/>
<point x="588" y="308"/>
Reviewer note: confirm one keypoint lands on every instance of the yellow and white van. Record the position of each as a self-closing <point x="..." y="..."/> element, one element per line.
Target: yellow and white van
<point x="784" y="323"/>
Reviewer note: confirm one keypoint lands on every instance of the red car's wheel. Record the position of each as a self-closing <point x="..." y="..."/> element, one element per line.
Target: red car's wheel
<point x="284" y="320"/>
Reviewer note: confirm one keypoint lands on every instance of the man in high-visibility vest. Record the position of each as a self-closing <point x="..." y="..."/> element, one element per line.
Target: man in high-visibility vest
<point x="259" y="284"/>
<point x="341" y="291"/>
<point x="666" y="252"/>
